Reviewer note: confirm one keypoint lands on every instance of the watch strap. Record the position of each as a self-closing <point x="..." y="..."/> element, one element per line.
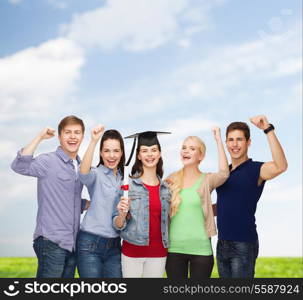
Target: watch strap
<point x="269" y="128"/>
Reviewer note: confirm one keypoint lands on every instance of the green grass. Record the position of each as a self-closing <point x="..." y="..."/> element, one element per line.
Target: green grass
<point x="267" y="267"/>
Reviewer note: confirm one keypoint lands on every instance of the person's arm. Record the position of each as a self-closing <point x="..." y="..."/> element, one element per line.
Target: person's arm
<point x="25" y="164"/>
<point x="86" y="163"/>
<point x="85" y="204"/>
<point x="214" y="207"/>
<point x="45" y="134"/>
<point x="216" y="179"/>
<point x="223" y="163"/>
<point x="278" y="165"/>
<point x="122" y="210"/>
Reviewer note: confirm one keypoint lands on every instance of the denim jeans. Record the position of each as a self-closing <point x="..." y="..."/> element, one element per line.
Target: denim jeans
<point x="53" y="261"/>
<point x="237" y="259"/>
<point x="97" y="256"/>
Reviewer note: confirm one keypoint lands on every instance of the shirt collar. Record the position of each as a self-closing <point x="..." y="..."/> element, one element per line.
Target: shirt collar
<point x="139" y="181"/>
<point x="108" y="171"/>
<point x="64" y="156"/>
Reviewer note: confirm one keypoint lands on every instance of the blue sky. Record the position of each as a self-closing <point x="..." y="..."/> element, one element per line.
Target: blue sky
<point x="133" y="65"/>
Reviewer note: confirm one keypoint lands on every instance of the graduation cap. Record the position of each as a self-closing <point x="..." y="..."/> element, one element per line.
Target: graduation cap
<point x="146" y="138"/>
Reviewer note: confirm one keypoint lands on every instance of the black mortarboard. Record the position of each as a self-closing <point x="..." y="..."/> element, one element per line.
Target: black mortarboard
<point x="146" y="138"/>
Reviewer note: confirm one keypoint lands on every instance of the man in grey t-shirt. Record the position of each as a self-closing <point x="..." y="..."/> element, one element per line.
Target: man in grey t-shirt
<point x="59" y="197"/>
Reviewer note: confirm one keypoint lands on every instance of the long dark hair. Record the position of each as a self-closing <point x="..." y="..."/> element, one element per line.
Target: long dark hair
<point x="113" y="135"/>
<point x="137" y="169"/>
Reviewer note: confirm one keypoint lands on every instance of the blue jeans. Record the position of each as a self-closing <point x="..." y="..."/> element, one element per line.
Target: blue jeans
<point x="236" y="259"/>
<point x="97" y="256"/>
<point x="53" y="261"/>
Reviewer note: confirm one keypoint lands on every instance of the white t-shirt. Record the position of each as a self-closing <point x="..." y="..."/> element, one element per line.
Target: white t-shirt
<point x="75" y="165"/>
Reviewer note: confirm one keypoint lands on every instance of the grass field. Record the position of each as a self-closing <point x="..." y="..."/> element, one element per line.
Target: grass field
<point x="267" y="267"/>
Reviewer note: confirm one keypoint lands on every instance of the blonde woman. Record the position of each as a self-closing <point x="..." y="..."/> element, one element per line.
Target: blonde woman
<point x="192" y="220"/>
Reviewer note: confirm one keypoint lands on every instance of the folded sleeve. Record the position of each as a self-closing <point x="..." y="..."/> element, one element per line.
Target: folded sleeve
<point x="29" y="166"/>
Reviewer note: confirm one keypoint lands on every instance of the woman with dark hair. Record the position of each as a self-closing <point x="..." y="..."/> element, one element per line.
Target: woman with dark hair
<point x="98" y="243"/>
<point x="143" y="217"/>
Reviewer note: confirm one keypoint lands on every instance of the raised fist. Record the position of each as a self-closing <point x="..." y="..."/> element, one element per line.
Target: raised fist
<point x="217" y="133"/>
<point x="47" y="133"/>
<point x="260" y="121"/>
<point x="97" y="132"/>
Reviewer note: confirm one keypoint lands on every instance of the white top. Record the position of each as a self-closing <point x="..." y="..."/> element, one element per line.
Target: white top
<point x="75" y="165"/>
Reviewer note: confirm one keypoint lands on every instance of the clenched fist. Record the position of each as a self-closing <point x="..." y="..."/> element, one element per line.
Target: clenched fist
<point x="47" y="133"/>
<point x="217" y="133"/>
<point x="97" y="132"/>
<point x="260" y="121"/>
<point x="123" y="206"/>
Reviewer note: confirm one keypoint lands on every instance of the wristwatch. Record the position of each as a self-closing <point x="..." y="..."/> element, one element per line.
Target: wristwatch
<point x="270" y="128"/>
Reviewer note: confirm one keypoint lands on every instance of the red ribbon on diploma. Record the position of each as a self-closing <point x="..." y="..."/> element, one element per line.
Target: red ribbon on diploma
<point x="124" y="187"/>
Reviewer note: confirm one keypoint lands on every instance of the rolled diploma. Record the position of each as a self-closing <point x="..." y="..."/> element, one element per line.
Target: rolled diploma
<point x="125" y="182"/>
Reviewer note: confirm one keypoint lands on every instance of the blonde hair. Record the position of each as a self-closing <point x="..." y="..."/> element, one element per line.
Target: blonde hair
<point x="176" y="179"/>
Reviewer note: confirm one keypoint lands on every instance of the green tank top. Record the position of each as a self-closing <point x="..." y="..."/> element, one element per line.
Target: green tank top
<point x="187" y="230"/>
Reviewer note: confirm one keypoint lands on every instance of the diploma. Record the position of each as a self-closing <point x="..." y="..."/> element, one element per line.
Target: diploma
<point x="125" y="182"/>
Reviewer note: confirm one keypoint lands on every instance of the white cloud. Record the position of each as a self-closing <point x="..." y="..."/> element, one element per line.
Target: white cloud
<point x="219" y="72"/>
<point x="273" y="193"/>
<point x="194" y="125"/>
<point x="15" y="187"/>
<point x="181" y="128"/>
<point x="37" y="78"/>
<point x="60" y="4"/>
<point x="184" y="43"/>
<point x="8" y="147"/>
<point x="279" y="215"/>
<point x="137" y="25"/>
<point x="14" y="2"/>
<point x="222" y="74"/>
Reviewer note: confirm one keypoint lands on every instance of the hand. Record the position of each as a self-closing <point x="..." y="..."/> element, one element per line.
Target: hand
<point x="169" y="181"/>
<point x="87" y="204"/>
<point x="47" y="133"/>
<point x="217" y="133"/>
<point x="123" y="206"/>
<point x="97" y="132"/>
<point x="260" y="121"/>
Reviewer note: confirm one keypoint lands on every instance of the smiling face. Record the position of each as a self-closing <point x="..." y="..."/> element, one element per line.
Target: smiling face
<point x="149" y="156"/>
<point x="237" y="145"/>
<point x="111" y="153"/>
<point x="70" y="138"/>
<point x="191" y="152"/>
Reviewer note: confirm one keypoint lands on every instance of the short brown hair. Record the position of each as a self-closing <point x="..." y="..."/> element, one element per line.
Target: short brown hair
<point x="239" y="126"/>
<point x="70" y="120"/>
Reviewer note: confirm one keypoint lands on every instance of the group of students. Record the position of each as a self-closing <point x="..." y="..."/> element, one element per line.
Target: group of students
<point x="163" y="224"/>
